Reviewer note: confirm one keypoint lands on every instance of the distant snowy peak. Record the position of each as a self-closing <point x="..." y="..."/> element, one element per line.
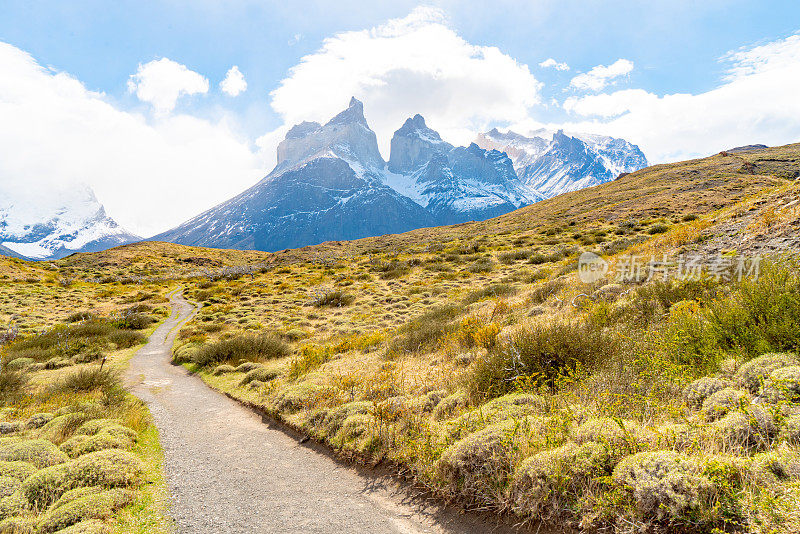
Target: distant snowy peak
<point x="55" y="223"/>
<point x="455" y="184"/>
<point x="550" y="163"/>
<point x="346" y="135"/>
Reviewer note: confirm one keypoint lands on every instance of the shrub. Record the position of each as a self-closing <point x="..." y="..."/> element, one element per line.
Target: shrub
<point x="125" y="339"/>
<point x="425" y="330"/>
<point x="8" y="485"/>
<point x="87" y="379"/>
<point x="296" y="397"/>
<point x="507" y="407"/>
<point x="261" y="374"/>
<point x="762" y="314"/>
<point x="722" y="402"/>
<point x="45" y="486"/>
<point x="541" y="293"/>
<point x="17" y="469"/>
<point x="80" y="316"/>
<point x="39" y="452"/>
<point x="702" y="388"/>
<point x="791" y="430"/>
<point x="752" y="374"/>
<point x="478" y="466"/>
<point x="76" y="493"/>
<point x="507" y="258"/>
<point x="783" y="384"/>
<point x="99" y="506"/>
<point x="541" y="353"/>
<point x="223" y="369"/>
<point x="108" y="468"/>
<point x="493" y="290"/>
<point x="252" y="347"/>
<point x="333" y="298"/>
<point x="747" y="430"/>
<point x="484" y="264"/>
<point x="19" y="363"/>
<point x="135" y="321"/>
<point x="88" y="526"/>
<point x="61" y="427"/>
<point x="335" y="418"/>
<point x="12" y="386"/>
<point x="450" y="405"/>
<point x="664" y="485"/>
<point x="553" y="481"/>
<point x="616" y="434"/>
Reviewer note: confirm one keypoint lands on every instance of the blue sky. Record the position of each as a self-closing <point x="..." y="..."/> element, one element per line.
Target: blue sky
<point x="675" y="44"/>
<point x="676" y="77"/>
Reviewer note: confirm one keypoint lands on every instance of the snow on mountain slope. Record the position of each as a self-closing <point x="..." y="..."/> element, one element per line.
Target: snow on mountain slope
<point x="331" y="183"/>
<point x="51" y="224"/>
<point x="455" y="184"/>
<point x="567" y="161"/>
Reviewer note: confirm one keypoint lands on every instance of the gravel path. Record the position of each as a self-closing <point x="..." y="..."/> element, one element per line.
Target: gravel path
<point x="230" y="471"/>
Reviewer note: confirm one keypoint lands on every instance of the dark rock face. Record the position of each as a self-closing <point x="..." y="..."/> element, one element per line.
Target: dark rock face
<point x="322" y="200"/>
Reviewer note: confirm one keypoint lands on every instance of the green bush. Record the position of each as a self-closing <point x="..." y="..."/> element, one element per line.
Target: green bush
<point x="87" y="379"/>
<point x="12" y="386"/>
<point x="17" y="469"/>
<point x="125" y="339"/>
<point x="541" y="354"/>
<point x="665" y="486"/>
<point x="507" y="258"/>
<point x="98" y="506"/>
<point x="39" y="452"/>
<point x="426" y="330"/>
<point x="484" y="264"/>
<point x="493" y="290"/>
<point x="251" y="347"/>
<point x="334" y="299"/>
<point x="261" y="374"/>
<point x="550" y="483"/>
<point x="752" y="374"/>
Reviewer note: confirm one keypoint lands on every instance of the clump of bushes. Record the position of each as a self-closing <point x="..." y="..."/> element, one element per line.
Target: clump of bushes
<point x="552" y="481"/>
<point x="333" y="298"/>
<point x="540" y="354"/>
<point x="663" y="485"/>
<point x="251" y="347"/>
<point x="484" y="264"/>
<point x="426" y="330"/>
<point x="490" y="291"/>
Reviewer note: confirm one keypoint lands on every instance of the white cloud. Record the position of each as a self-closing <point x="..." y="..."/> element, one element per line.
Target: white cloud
<point x="601" y="75"/>
<point x="415" y="64"/>
<point x="234" y="82"/>
<point x="551" y="63"/>
<point x="755" y="103"/>
<point x="150" y="174"/>
<point x="162" y="81"/>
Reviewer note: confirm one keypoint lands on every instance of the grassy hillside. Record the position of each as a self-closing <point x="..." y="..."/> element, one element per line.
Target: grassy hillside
<point x="474" y="359"/>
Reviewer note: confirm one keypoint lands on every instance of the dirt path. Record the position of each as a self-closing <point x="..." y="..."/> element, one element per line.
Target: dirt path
<point x="228" y="471"/>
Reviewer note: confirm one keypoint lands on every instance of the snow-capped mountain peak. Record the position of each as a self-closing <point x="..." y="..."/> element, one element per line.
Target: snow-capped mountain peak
<point x="332" y="184"/>
<point x="51" y="224"/>
<point x="554" y="162"/>
<point x="346" y="135"/>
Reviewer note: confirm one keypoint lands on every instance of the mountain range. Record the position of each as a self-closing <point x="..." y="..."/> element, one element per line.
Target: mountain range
<point x="331" y="182"/>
